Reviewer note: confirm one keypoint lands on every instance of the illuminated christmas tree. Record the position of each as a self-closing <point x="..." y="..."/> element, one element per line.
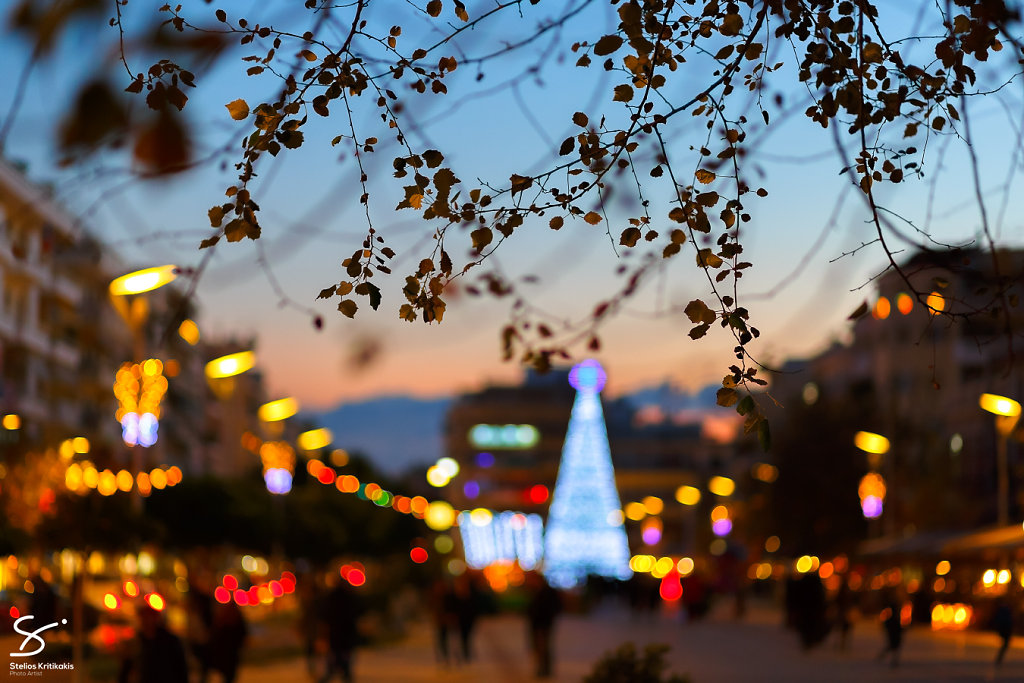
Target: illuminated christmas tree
<point x="584" y="533"/>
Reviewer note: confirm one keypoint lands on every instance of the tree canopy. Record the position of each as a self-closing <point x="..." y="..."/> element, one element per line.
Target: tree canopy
<point x="658" y="159"/>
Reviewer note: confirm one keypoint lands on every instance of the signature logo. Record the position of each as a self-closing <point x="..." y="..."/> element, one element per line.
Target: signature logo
<point x="33" y="635"/>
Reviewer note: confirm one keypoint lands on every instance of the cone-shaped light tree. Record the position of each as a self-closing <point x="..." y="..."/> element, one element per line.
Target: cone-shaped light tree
<point x="585" y="534"/>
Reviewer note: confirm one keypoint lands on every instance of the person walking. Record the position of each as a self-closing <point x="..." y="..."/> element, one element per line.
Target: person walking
<point x="544" y="606"/>
<point x="466" y="605"/>
<point x="445" y="617"/>
<point x="1002" y="620"/>
<point x="157" y="655"/>
<point x="844" y="606"/>
<point x="227" y="636"/>
<point x="893" y="626"/>
<point x="342" y="609"/>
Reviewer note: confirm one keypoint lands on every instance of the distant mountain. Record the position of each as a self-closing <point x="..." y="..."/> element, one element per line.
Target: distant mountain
<point x="395" y="432"/>
<point x="672" y="400"/>
<point x="399" y="432"/>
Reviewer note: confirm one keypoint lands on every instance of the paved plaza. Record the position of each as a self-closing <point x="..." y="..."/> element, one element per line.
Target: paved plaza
<point x="716" y="649"/>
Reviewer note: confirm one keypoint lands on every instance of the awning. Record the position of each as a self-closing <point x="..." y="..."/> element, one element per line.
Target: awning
<point x="1001" y="537"/>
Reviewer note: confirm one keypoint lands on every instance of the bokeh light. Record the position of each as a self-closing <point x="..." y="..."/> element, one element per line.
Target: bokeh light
<point x="688" y="495"/>
<point x="722" y="486"/>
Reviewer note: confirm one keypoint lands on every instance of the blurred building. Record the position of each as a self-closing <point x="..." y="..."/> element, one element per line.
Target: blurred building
<point x="916" y="378"/>
<point x="508" y="443"/>
<point x="63" y="337"/>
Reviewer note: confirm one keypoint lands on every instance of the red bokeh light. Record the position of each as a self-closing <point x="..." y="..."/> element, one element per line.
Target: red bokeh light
<point x="671" y="589"/>
<point x="46" y="500"/>
<point x="254" y="595"/>
<point x="287" y="584"/>
<point x="326" y="475"/>
<point x="538" y="494"/>
<point x="14" y="612"/>
<point x="230" y="582"/>
<point x="221" y="595"/>
<point x="418" y="555"/>
<point x="131" y="589"/>
<point x="276" y="589"/>
<point x="241" y="598"/>
<point x="356" y="577"/>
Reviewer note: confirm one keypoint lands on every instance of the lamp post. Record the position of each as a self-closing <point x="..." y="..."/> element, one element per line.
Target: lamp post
<point x="872" y="487"/>
<point x="1007" y="412"/>
<point x="124" y="294"/>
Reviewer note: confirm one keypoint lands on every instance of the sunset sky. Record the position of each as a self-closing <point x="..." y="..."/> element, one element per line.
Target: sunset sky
<point x="312" y="220"/>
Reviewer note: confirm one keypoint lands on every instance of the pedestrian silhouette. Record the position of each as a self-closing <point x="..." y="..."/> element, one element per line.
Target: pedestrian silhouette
<point x="43" y="603"/>
<point x="342" y="609"/>
<point x="156" y="655"/>
<point x="807" y="608"/>
<point x="844" y="606"/>
<point x="227" y="636"/>
<point x="544" y="606"/>
<point x="445" y="615"/>
<point x="1002" y="620"/>
<point x="200" y="624"/>
<point x="893" y="626"/>
<point x="466" y="604"/>
<point x="309" y="595"/>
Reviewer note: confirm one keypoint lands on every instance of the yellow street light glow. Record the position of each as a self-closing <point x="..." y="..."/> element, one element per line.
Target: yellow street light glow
<point x="189" y="331"/>
<point x="869" y="442"/>
<point x="11" y="422"/>
<point x="662" y="567"/>
<point x="804" y="564"/>
<point x="684" y="566"/>
<point x="653" y="505"/>
<point x="280" y="409"/>
<point x="66" y="449"/>
<point x="436" y="477"/>
<point x="439" y="515"/>
<point x="80" y="444"/>
<point x="936" y="303"/>
<point x="314" y="439"/>
<point x="481" y="517"/>
<point x="230" y="365"/>
<point x="942" y="568"/>
<point x="143" y="280"/>
<point x="999" y="405"/>
<point x="688" y="495"/>
<point x="641" y="563"/>
<point x="73" y="476"/>
<point x="107" y="483"/>
<point x="721" y="486"/>
<point x="1003" y="577"/>
<point x="635" y="511"/>
<point x="720" y="512"/>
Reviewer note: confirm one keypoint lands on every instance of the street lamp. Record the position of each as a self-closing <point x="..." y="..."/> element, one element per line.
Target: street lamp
<point x="1007" y="412"/>
<point x="230" y="365"/>
<point x="143" y="280"/>
<point x="280" y="409"/>
<point x="134" y="309"/>
<point x="871" y="489"/>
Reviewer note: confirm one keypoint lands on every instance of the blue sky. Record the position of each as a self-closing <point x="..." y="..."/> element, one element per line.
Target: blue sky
<point x="312" y="218"/>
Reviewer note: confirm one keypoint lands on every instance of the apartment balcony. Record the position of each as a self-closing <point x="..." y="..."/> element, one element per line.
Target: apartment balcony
<point x="38" y="342"/>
